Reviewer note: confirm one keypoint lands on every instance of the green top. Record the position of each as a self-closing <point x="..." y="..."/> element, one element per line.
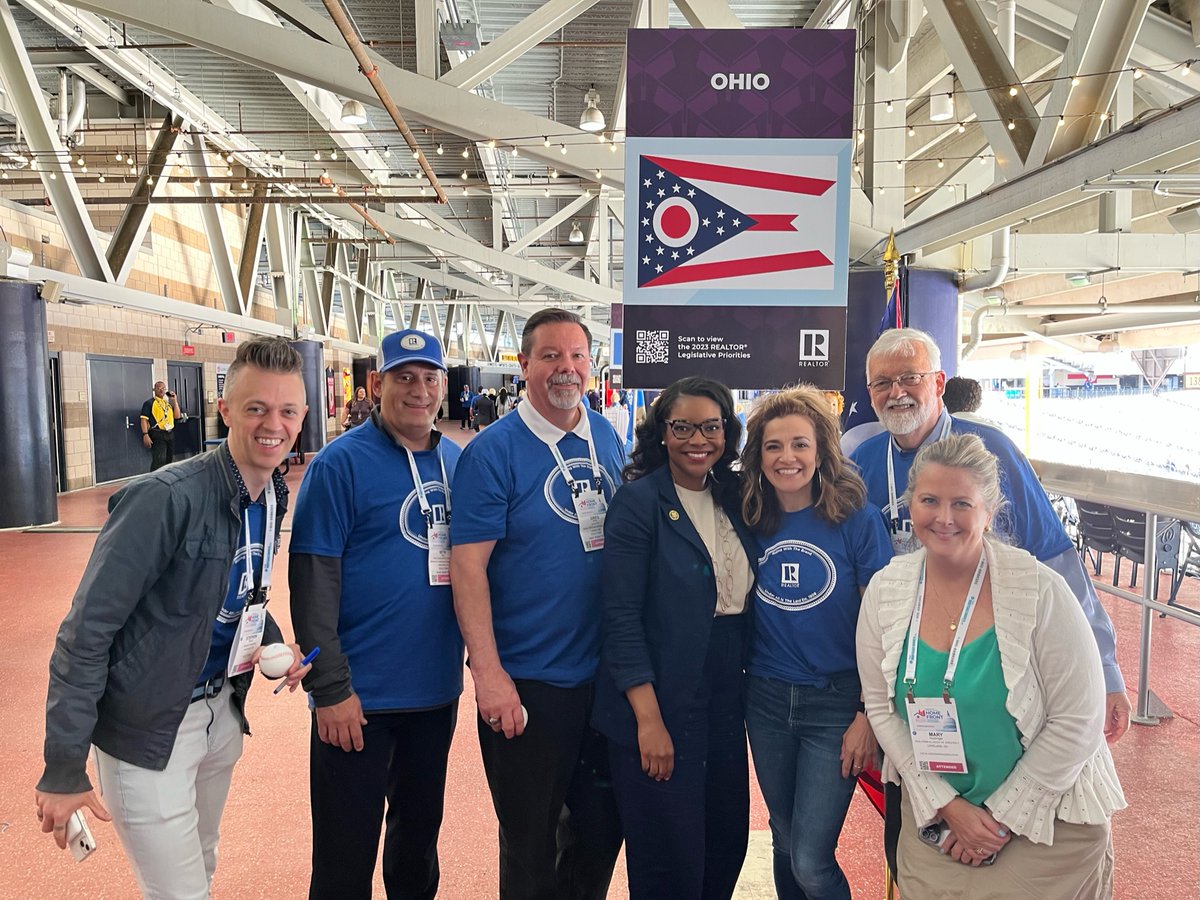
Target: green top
<point x="990" y="737"/>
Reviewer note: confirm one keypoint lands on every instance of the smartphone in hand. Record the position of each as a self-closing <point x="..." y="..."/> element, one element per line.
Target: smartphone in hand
<point x="79" y="837"/>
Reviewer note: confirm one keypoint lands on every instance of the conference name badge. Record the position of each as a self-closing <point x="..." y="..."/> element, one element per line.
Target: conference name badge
<point x="247" y="639"/>
<point x="589" y="510"/>
<point x="439" y="553"/>
<point x="936" y="735"/>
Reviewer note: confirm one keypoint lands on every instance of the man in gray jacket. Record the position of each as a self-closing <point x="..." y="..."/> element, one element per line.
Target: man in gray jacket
<point x="152" y="663"/>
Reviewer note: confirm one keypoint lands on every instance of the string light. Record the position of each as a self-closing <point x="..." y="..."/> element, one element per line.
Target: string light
<point x="562" y="148"/>
<point x="1075" y="81"/>
<point x="333" y="153"/>
<point x="491" y="144"/>
<point x="416" y="154"/>
<point x="516" y="151"/>
<point x="888" y="106"/>
<point x="961" y="127"/>
<point x="117" y="156"/>
<point x="465" y="154"/>
<point x="317" y="155"/>
<point x="941" y="164"/>
<point x="912" y="131"/>
<point x="1137" y="73"/>
<point x="599" y="174"/>
<point x="1012" y="124"/>
<point x="102" y="178"/>
<point x="440" y="150"/>
<point x="1186" y="69"/>
<point x="1062" y="120"/>
<point x="464" y="175"/>
<point x="545" y="142"/>
<point x="1012" y="90"/>
<point x="387" y="153"/>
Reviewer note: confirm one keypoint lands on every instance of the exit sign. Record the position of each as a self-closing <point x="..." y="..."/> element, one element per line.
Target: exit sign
<point x="228" y="337"/>
<point x="189" y="350"/>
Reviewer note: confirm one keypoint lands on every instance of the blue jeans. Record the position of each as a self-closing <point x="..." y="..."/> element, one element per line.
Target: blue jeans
<point x="796" y="739"/>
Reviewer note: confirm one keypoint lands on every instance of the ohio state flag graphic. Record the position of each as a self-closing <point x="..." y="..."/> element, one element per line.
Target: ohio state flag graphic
<point x="681" y="221"/>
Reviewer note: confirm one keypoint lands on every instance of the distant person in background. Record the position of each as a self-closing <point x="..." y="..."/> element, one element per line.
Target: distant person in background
<point x="358" y="410"/>
<point x="502" y="403"/>
<point x="836" y="402"/>
<point x="485" y="411"/>
<point x="158" y="418"/>
<point x="962" y="398"/>
<point x="465" y="399"/>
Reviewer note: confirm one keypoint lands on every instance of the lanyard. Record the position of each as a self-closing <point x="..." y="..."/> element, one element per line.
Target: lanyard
<point x="960" y="633"/>
<point x="566" y="473"/>
<point x="426" y="509"/>
<point x="894" y="501"/>
<point x="268" y="557"/>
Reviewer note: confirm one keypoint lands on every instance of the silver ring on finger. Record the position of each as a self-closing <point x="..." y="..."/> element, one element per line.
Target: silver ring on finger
<point x="492" y="720"/>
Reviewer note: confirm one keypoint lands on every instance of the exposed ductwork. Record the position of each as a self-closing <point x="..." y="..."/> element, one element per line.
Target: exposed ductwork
<point x="70" y="117"/>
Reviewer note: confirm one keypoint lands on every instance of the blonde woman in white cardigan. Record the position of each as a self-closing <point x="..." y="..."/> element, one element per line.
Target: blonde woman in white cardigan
<point x="992" y="723"/>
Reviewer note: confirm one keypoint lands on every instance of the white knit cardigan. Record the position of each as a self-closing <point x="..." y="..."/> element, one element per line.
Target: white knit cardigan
<point x="1055" y="694"/>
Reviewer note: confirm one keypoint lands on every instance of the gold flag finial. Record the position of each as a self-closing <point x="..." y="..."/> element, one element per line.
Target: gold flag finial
<point x="891" y="260"/>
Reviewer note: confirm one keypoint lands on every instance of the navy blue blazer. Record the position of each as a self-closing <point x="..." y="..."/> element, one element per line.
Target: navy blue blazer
<point x="660" y="596"/>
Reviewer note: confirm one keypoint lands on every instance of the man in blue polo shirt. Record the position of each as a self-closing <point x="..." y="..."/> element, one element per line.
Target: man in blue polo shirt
<point x="905" y="382"/>
<point x="525" y="566"/>
<point x="370" y="585"/>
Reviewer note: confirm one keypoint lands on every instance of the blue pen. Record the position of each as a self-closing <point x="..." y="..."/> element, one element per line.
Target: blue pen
<point x="304" y="662"/>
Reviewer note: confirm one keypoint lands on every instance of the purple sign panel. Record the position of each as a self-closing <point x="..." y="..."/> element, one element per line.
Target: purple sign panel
<point x="746" y="347"/>
<point x="751" y="83"/>
<point x="737" y="205"/>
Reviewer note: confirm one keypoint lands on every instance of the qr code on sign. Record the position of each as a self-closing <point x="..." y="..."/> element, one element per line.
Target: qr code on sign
<point x="653" y="347"/>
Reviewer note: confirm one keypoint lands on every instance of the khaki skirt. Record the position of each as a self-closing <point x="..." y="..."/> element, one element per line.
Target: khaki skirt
<point x="1077" y="866"/>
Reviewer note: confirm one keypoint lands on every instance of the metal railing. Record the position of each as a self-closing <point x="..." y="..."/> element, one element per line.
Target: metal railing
<point x="1156" y="497"/>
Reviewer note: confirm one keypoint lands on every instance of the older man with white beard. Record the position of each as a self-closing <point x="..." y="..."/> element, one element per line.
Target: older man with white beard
<point x="525" y="570"/>
<point x="905" y="381"/>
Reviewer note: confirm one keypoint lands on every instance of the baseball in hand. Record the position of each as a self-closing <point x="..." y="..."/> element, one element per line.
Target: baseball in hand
<point x="525" y="713"/>
<point x="275" y="660"/>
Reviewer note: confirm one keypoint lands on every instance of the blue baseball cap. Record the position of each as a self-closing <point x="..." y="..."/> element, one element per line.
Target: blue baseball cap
<point x="407" y="346"/>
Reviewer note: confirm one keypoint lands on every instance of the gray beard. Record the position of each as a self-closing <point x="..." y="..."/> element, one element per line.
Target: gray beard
<point x="564" y="396"/>
<point x="900" y="422"/>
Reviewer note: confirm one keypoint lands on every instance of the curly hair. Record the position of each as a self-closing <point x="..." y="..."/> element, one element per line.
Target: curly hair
<point x="837" y="488"/>
<point x="650" y="452"/>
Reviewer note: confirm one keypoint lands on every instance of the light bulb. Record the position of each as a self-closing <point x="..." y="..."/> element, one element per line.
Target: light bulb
<point x="911" y="131"/>
<point x="464" y="175"/>
<point x="1075" y="81"/>
<point x="117" y="156"/>
<point x="888" y="106"/>
<point x="545" y="142"/>
<point x="961" y="127"/>
<point x="562" y="148"/>
<point x="102" y="178"/>
<point x="515" y="152"/>
<point x="1138" y="73"/>
<point x="941" y="164"/>
<point x="317" y="155"/>
<point x="387" y="153"/>
<point x="440" y="150"/>
<point x="333" y="153"/>
<point x="1011" y="124"/>
<point x="465" y="154"/>
<point x="1012" y="91"/>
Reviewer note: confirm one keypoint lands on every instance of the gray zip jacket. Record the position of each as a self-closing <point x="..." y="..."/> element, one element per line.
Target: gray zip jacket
<point x="139" y="630"/>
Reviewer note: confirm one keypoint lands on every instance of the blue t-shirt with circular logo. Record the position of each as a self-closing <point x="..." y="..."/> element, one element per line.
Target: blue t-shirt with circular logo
<point x="807" y="596"/>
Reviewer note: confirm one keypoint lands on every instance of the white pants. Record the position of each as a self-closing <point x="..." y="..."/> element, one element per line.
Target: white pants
<point x="169" y="821"/>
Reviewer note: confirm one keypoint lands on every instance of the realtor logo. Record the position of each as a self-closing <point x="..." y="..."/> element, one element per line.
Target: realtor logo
<point x="789" y="574"/>
<point x="814" y="346"/>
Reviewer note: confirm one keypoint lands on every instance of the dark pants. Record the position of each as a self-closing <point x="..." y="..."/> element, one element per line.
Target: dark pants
<point x="685" y="839"/>
<point x="559" y="832"/>
<point x="162" y="448"/>
<point x="403" y="760"/>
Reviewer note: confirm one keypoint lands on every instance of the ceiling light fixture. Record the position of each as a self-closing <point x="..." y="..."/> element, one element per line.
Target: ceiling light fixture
<point x="353" y="113"/>
<point x="592" y="119"/>
<point x="941" y="100"/>
<point x="576" y="235"/>
<point x="465" y="154"/>
<point x="440" y="149"/>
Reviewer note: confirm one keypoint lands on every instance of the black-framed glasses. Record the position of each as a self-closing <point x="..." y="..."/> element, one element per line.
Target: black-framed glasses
<point x="908" y="380"/>
<point x="683" y="429"/>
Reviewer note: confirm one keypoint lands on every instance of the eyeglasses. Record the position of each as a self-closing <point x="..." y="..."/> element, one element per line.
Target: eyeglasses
<point x="683" y="429"/>
<point x="908" y="380"/>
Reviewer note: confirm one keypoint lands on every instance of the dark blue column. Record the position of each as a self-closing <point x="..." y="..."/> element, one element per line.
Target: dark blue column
<point x="312" y="438"/>
<point x="26" y="458"/>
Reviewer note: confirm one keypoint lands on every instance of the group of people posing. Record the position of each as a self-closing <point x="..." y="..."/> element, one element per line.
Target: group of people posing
<point x="627" y="623"/>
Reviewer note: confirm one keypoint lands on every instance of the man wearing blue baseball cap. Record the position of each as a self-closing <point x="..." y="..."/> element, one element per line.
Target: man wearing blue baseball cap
<point x="370" y="585"/>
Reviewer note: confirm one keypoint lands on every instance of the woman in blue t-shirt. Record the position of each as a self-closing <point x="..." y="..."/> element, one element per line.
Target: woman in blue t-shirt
<point x="818" y="546"/>
<point x="678" y="574"/>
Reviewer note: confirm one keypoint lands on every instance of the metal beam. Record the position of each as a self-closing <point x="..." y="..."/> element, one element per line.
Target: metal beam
<point x="708" y="13"/>
<point x="511" y="45"/>
<point x="248" y="261"/>
<point x="135" y="220"/>
<point x="427" y="38"/>
<point x="88" y="290"/>
<point x="277" y="258"/>
<point x="214" y="230"/>
<point x="295" y="55"/>
<point x="1105" y="33"/>
<point x="314" y="291"/>
<point x="1167" y="140"/>
<point x="473" y="250"/>
<point x="539" y="231"/>
<point x="986" y="74"/>
<point x="1124" y="253"/>
<point x="92" y="76"/>
<point x="25" y="97"/>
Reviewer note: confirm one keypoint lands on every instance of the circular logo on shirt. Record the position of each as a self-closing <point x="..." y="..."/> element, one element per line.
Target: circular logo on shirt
<point x="558" y="495"/>
<point x="412" y="342"/>
<point x="412" y="520"/>
<point x="795" y="576"/>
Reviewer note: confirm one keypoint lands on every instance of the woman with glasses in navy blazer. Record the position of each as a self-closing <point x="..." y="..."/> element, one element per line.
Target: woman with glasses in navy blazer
<point x="678" y="570"/>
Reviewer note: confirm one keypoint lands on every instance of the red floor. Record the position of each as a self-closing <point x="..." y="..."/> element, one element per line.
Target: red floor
<point x="265" y="842"/>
